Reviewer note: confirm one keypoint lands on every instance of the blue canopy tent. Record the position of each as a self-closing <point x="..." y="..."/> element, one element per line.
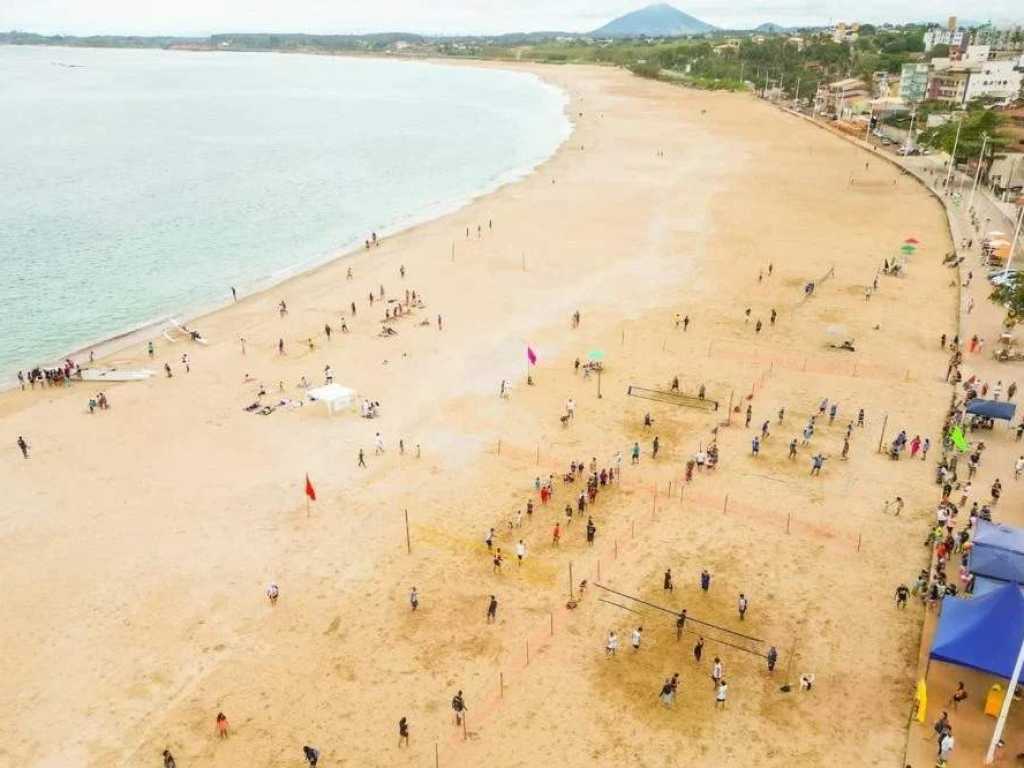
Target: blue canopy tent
<point x="983" y="585"/>
<point x="991" y="409"/>
<point x="983" y="633"/>
<point x="997" y="552"/>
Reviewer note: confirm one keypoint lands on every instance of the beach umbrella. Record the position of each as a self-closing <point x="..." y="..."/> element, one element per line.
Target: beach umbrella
<point x="837" y="330"/>
<point x="912" y="240"/>
<point x="907" y="249"/>
<point x="595" y="355"/>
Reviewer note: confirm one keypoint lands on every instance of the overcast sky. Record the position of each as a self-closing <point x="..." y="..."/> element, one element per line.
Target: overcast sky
<point x="203" y="17"/>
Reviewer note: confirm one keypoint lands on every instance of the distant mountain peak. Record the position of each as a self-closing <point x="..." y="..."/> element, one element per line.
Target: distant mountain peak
<point x="658" y="20"/>
<point x="769" y="26"/>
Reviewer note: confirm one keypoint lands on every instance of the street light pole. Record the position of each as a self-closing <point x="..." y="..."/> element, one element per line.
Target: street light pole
<point x="1016" y="239"/>
<point x="910" y="133"/>
<point x="977" y="174"/>
<point x="952" y="159"/>
<point x="997" y="734"/>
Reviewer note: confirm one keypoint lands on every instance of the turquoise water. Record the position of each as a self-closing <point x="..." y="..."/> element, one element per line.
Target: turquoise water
<point x="135" y="185"/>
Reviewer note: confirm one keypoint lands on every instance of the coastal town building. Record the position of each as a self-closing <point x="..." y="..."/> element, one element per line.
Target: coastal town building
<point x="949" y="84"/>
<point x="914" y="82"/>
<point x="956" y="38"/>
<point x="845" y="33"/>
<point x="1000" y="38"/>
<point x="842" y="97"/>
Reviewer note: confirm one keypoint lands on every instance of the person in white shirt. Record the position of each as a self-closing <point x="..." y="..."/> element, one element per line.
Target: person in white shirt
<point x="946" y="744"/>
<point x="717" y="671"/>
<point x="637" y="633"/>
<point x="414" y="598"/>
<point x="380" y="444"/>
<point x="612" y="645"/>
<point x="1018" y="468"/>
<point x="720" y="693"/>
<point x="272" y="594"/>
<point x="520" y="550"/>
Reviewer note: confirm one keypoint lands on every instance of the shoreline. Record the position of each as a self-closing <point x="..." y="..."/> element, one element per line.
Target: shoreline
<point x="403" y="223"/>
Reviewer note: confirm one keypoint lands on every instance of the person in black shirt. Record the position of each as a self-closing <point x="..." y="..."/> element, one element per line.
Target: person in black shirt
<point x="403" y="732"/>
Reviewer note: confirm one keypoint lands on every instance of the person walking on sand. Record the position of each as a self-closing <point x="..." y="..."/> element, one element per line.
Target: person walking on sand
<point x="520" y="551"/>
<point x="924" y="448"/>
<point x="414" y="599"/>
<point x="222" y="725"/>
<point x="860" y="418"/>
<point x="362" y="459"/>
<point x="380" y="445"/>
<point x="705" y="580"/>
<point x="680" y="623"/>
<point x="591" y="530"/>
<point x="440" y="325"/>
<point x="792" y="448"/>
<point x="636" y="453"/>
<point x="497" y="561"/>
<point x="636" y="637"/>
<point x="489" y="539"/>
<point x="655" y="444"/>
<point x="755" y="446"/>
<point x="556" y="534"/>
<point x="273" y="592"/>
<point x="750" y="413"/>
<point x="772" y="658"/>
<point x="817" y="462"/>
<point x="667" y="582"/>
<point x="312" y="755"/>
<point x="698" y="649"/>
<point x="280" y="346"/>
<point x="667" y="694"/>
<point x="717" y="671"/>
<point x="403" y="732"/>
<point x="720" y="693"/>
<point x="23" y="446"/>
<point x="169" y="759"/>
<point x="741" y="606"/>
<point x="459" y="707"/>
<point x="492" y="610"/>
<point x="612" y="645"/>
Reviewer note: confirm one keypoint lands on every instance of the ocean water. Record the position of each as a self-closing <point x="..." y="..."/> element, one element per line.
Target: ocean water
<point x="140" y="184"/>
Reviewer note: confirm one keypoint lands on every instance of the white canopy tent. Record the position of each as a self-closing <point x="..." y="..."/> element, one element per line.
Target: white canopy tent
<point x="334" y="396"/>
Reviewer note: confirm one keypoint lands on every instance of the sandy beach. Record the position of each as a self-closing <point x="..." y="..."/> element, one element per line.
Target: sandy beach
<point x="139" y="541"/>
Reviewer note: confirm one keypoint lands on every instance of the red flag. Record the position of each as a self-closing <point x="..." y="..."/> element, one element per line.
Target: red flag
<point x="309" y="489"/>
<point x="531" y="356"/>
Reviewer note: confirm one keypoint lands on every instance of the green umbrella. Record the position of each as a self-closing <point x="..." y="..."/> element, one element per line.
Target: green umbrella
<point x="907" y="249"/>
<point x="595" y="355"/>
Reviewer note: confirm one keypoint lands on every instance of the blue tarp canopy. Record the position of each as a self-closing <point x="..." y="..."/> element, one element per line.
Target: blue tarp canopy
<point x="983" y="585"/>
<point x="983" y="633"/>
<point x="992" y="409"/>
<point x="997" y="551"/>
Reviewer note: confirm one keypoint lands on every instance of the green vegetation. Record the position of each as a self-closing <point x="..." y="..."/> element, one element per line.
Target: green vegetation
<point x="715" y="60"/>
<point x="974" y="124"/>
<point x="1011" y="296"/>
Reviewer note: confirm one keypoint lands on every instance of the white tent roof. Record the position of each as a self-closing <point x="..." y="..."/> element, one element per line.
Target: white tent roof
<point x="333" y="395"/>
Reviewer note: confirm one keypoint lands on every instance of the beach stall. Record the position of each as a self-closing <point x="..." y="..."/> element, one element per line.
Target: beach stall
<point x="334" y="396"/>
<point x="997" y="552"/>
<point x="983" y="633"/>
<point x="985" y="412"/>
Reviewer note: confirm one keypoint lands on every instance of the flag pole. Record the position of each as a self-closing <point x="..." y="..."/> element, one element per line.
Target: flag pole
<point x="997" y="734"/>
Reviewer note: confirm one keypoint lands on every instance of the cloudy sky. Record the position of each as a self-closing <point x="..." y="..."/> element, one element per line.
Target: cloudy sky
<point x="202" y="17"/>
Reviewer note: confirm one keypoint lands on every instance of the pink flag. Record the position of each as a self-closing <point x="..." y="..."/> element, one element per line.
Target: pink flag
<point x="531" y="356"/>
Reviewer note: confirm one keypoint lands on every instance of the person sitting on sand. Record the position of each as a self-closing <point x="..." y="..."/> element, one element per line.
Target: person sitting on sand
<point x="272" y="593"/>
